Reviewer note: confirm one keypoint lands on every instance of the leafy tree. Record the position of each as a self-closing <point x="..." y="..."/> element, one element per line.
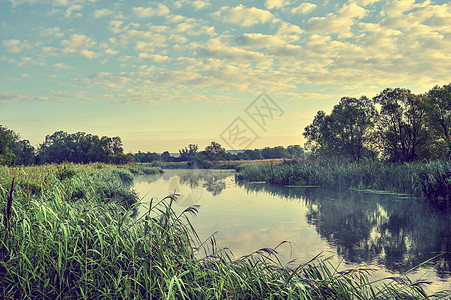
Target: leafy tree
<point x="438" y="109"/>
<point x="295" y="151"/>
<point x="254" y="154"/>
<point x="214" y="152"/>
<point x="189" y="153"/>
<point x="81" y="148"/>
<point x="402" y="125"/>
<point x="276" y="152"/>
<point x="7" y="157"/>
<point x="166" y="156"/>
<point x="347" y="131"/>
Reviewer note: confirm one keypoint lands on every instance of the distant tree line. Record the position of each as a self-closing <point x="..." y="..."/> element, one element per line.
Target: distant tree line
<point x="215" y="152"/>
<point x="61" y="147"/>
<point x="395" y="125"/>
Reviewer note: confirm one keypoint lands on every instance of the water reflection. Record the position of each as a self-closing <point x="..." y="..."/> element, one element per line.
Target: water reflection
<point x="394" y="231"/>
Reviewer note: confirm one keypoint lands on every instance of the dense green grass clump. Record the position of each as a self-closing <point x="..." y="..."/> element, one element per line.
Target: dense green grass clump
<point x="432" y="179"/>
<point x="55" y="245"/>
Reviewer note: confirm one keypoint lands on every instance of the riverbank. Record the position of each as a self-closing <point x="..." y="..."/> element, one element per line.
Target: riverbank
<point x="431" y="180"/>
<point x="66" y="232"/>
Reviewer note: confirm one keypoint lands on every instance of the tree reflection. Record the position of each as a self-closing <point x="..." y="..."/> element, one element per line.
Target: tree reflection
<point x="394" y="231"/>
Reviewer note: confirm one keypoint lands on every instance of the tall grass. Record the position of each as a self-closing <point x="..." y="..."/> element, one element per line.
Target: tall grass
<point x="431" y="179"/>
<point x="55" y="246"/>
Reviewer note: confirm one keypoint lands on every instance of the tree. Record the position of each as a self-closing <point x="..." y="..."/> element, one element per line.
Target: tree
<point x="295" y="151"/>
<point x="214" y="152"/>
<point x="438" y="109"/>
<point x="189" y="153"/>
<point x="402" y="125"/>
<point x="166" y="156"/>
<point x="347" y="131"/>
<point x="276" y="152"/>
<point x="7" y="157"/>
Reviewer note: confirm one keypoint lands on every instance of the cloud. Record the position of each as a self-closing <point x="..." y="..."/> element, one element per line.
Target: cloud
<point x="11" y="98"/>
<point x="147" y="12"/>
<point x="60" y="66"/>
<point x="48" y="51"/>
<point x="340" y="22"/>
<point x="364" y="2"/>
<point x="244" y="16"/>
<point x="271" y="4"/>
<point x="78" y="44"/>
<point x="304" y="8"/>
<point x="258" y="40"/>
<point x="52" y="32"/>
<point x="99" y="13"/>
<point x="219" y="48"/>
<point x="198" y="4"/>
<point x="19" y="2"/>
<point x="154" y="57"/>
<point x="15" y="46"/>
<point x="89" y="54"/>
<point x="74" y="8"/>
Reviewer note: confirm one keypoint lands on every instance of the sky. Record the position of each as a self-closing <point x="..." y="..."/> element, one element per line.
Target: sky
<point x="246" y="74"/>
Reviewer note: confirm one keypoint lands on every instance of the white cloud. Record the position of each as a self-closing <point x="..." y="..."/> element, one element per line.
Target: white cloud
<point x="271" y="4"/>
<point x="146" y="12"/>
<point x="289" y="29"/>
<point x="60" y="66"/>
<point x="72" y="9"/>
<point x="99" y="13"/>
<point x="244" y="16"/>
<point x="78" y="41"/>
<point x="48" y="51"/>
<point x="52" y="32"/>
<point x="198" y="4"/>
<point x="19" y="2"/>
<point x="340" y="22"/>
<point x="304" y="8"/>
<point x="111" y="51"/>
<point x="15" y="46"/>
<point x="258" y="40"/>
<point x="364" y="2"/>
<point x="89" y="54"/>
<point x="154" y="57"/>
<point x="219" y="48"/>
<point x="78" y="44"/>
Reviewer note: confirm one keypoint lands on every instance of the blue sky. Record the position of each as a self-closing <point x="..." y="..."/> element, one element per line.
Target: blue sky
<point x="162" y="75"/>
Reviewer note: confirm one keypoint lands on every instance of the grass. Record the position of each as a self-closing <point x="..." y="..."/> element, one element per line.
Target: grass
<point x="431" y="180"/>
<point x="67" y="232"/>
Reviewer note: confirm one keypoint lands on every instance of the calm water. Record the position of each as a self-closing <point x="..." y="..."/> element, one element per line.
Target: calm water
<point x="394" y="233"/>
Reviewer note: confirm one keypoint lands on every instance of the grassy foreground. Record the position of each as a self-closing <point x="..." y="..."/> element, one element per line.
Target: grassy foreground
<point x="66" y="232"/>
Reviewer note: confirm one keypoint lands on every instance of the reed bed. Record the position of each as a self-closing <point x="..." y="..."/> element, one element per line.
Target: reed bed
<point x="431" y="179"/>
<point x="55" y="245"/>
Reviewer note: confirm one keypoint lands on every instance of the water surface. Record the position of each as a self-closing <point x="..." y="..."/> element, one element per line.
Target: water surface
<point x="388" y="233"/>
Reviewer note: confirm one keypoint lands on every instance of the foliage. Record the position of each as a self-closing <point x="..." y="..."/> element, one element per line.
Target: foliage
<point x="402" y="125"/>
<point x="432" y="179"/>
<point x="214" y="152"/>
<point x="81" y="148"/>
<point x="347" y="131"/>
<point x="439" y="118"/>
<point x="13" y="150"/>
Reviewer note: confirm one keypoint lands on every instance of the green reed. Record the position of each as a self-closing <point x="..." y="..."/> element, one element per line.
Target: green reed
<point x="75" y="238"/>
<point x="431" y="179"/>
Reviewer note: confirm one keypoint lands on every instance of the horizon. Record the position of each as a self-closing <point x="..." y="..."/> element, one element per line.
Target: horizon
<point x="163" y="76"/>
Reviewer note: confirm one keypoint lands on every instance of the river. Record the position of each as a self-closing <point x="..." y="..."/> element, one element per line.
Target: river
<point x="389" y="234"/>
